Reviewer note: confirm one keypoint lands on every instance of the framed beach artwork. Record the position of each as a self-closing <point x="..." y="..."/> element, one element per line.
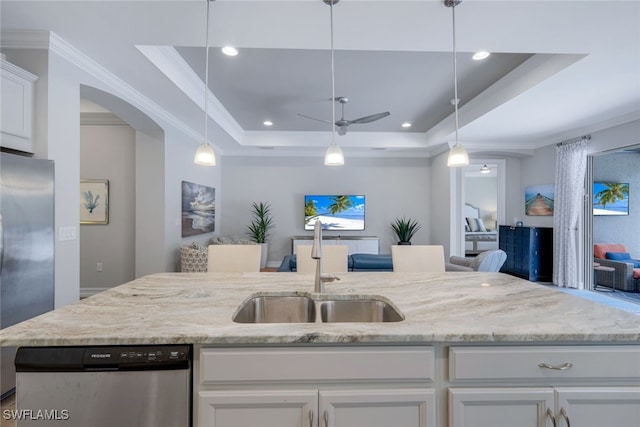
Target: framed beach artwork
<point x="610" y="198"/>
<point x="538" y="200"/>
<point x="198" y="209"/>
<point x="94" y="201"/>
<point x="335" y="212"/>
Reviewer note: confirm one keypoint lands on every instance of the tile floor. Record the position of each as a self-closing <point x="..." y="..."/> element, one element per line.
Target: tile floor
<point x="8" y="404"/>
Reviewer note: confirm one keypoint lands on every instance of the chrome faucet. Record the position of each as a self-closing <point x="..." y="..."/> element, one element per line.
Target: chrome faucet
<point x="316" y="253"/>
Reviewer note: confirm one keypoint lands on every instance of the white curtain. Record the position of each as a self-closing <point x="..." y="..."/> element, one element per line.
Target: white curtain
<point x="571" y="166"/>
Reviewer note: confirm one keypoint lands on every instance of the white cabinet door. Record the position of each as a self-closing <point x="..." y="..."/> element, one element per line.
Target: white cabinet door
<point x="598" y="406"/>
<point x="495" y="407"/>
<point x="16" y="90"/>
<point x="377" y="408"/>
<point x="257" y="408"/>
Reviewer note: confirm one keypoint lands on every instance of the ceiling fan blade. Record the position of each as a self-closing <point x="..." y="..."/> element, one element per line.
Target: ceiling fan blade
<point x="313" y="118"/>
<point x="371" y="118"/>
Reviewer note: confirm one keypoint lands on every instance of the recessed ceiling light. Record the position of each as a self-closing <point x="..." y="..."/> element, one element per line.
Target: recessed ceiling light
<point x="230" y="51"/>
<point x="480" y="55"/>
<point x="267" y="123"/>
<point x="406" y="125"/>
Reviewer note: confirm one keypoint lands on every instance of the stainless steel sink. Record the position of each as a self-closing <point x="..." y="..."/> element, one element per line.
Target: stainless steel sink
<point x="368" y="310"/>
<point x="277" y="309"/>
<point x="303" y="309"/>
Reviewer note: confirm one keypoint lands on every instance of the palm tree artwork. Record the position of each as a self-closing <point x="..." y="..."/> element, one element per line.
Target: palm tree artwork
<point x="611" y="198"/>
<point x="339" y="212"/>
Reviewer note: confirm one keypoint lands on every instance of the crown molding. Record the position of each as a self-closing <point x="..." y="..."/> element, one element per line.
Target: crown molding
<point x="48" y="40"/>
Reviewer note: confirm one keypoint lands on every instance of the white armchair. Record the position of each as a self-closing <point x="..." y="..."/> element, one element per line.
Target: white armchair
<point x="485" y="261"/>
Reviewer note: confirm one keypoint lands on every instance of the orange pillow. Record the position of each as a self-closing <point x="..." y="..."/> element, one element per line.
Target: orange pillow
<point x="600" y="249"/>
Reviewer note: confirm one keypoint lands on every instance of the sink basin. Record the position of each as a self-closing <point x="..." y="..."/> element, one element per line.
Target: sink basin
<point x="277" y="309"/>
<point x="368" y="310"/>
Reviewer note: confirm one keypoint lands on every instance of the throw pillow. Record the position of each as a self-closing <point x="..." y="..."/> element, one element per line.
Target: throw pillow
<point x="617" y="256"/>
<point x="476" y="224"/>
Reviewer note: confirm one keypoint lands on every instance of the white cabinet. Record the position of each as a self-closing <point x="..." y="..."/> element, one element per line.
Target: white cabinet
<point x="545" y="406"/>
<point x="317" y="408"/>
<point x="585" y="386"/>
<point x="17" y="92"/>
<point x="354" y="244"/>
<point x="367" y="386"/>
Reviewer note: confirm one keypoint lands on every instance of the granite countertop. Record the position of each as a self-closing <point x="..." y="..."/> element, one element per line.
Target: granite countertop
<point x="197" y="308"/>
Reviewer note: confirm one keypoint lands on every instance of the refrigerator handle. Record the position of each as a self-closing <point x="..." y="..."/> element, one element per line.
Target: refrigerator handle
<point x="1" y="243"/>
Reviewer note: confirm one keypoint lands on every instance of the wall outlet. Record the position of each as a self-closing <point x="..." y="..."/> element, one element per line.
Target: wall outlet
<point x="99" y="266"/>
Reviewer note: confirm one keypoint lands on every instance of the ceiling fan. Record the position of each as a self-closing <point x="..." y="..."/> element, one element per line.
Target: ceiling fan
<point x="343" y="123"/>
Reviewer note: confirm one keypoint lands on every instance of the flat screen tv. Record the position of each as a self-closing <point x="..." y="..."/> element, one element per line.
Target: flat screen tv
<point x="336" y="212"/>
<point x="610" y="198"/>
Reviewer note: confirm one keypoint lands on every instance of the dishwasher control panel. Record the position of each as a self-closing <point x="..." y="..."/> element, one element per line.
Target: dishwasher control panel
<point x="136" y="357"/>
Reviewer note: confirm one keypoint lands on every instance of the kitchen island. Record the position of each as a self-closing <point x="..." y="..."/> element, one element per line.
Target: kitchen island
<point x="472" y="349"/>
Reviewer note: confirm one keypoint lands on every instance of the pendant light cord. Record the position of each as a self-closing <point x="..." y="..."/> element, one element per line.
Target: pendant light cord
<point x="455" y="70"/>
<point x="206" y="79"/>
<point x="333" y="83"/>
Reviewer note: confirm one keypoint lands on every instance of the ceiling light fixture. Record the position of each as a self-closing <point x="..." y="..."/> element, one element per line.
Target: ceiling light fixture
<point x="334" y="155"/>
<point x="267" y="123"/>
<point x="205" y="156"/>
<point x="458" y="156"/>
<point x="480" y="55"/>
<point x="406" y="125"/>
<point x="485" y="169"/>
<point x="229" y="51"/>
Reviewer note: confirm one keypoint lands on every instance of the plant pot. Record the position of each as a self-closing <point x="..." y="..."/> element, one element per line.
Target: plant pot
<point x="264" y="249"/>
<point x="404" y="243"/>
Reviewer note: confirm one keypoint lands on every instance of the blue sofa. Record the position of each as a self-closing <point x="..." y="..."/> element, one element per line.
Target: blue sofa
<point x="355" y="262"/>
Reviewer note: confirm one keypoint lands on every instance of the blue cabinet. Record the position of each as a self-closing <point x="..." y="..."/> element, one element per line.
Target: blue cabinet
<point x="529" y="252"/>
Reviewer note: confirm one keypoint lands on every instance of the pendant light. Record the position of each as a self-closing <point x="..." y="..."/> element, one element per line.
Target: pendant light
<point x="205" y="155"/>
<point x="334" y="155"/>
<point x="457" y="155"/>
<point x="485" y="169"/>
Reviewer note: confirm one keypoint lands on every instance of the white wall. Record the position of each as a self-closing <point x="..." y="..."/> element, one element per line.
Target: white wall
<point x="392" y="186"/>
<point x="536" y="170"/>
<point x="444" y="182"/>
<point x="108" y="152"/>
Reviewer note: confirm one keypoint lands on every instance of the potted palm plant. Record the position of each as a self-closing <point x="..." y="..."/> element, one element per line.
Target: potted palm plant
<point x="405" y="229"/>
<point x="261" y="223"/>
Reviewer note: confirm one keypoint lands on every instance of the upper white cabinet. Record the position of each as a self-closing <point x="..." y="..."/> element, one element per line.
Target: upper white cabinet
<point x="16" y="122"/>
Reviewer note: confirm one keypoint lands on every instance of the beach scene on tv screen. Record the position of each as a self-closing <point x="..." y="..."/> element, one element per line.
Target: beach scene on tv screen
<point x="337" y="212"/>
<point x="610" y="198"/>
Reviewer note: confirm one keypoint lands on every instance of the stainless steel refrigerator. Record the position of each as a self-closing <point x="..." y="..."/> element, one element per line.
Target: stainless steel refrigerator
<point x="26" y="247"/>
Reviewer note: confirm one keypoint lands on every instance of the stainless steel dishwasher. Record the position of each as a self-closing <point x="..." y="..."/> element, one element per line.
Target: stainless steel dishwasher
<point x="129" y="386"/>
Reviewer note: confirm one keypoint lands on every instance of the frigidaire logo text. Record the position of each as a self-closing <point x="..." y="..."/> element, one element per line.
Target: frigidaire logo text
<point x="100" y="355"/>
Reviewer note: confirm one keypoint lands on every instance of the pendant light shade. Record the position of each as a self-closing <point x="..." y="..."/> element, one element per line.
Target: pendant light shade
<point x="205" y="156"/>
<point x="458" y="156"/>
<point x="485" y="169"/>
<point x="334" y="156"/>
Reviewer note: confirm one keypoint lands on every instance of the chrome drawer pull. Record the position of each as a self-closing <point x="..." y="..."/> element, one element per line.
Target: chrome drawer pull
<point x="550" y="415"/>
<point x="564" y="415"/>
<point x="562" y="367"/>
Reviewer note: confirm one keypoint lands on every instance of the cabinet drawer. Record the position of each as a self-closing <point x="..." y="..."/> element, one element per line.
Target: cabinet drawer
<point x="537" y="363"/>
<point x="317" y="364"/>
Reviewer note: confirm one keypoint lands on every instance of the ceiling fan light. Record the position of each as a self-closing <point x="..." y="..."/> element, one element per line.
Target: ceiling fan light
<point x="205" y="156"/>
<point x="334" y="156"/>
<point x="458" y="156"/>
<point x="485" y="169"/>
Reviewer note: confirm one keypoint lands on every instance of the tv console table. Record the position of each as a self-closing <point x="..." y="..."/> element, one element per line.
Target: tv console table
<point x="355" y="244"/>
